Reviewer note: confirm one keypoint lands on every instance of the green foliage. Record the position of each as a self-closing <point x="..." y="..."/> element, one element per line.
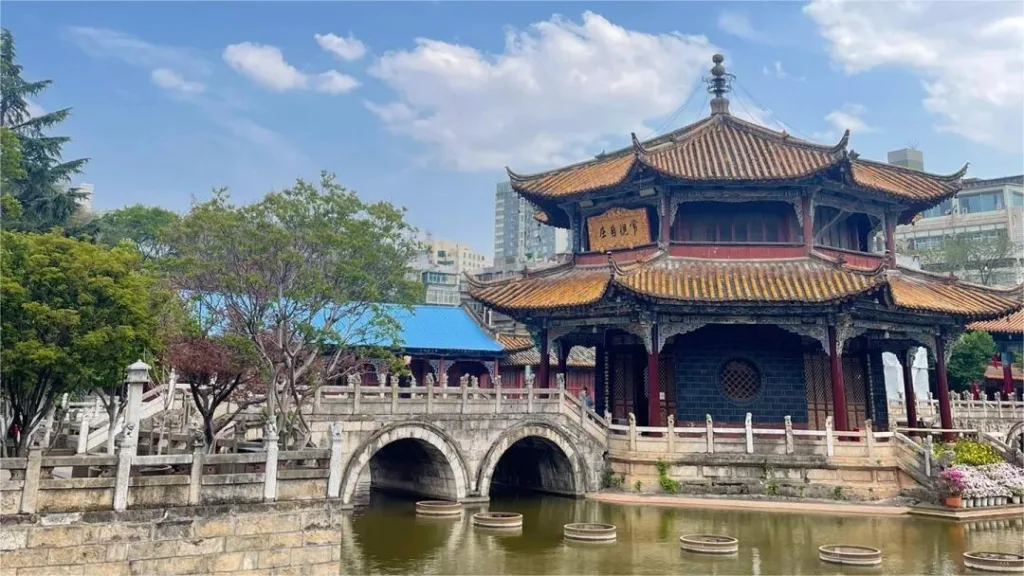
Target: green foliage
<point x="772" y="489"/>
<point x="973" y="256"/>
<point x="667" y="484"/>
<point x="611" y="480"/>
<point x="144" y="227"/>
<point x="74" y="316"/>
<point x="10" y="156"/>
<point x="40" y="187"/>
<point x="967" y="453"/>
<point x="639" y="486"/>
<point x="968" y="358"/>
<point x="292" y="272"/>
<point x="837" y="493"/>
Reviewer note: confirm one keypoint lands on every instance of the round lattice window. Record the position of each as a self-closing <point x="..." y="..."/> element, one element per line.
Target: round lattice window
<point x="740" y="380"/>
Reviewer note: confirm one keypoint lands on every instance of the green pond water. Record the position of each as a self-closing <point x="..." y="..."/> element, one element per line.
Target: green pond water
<point x="387" y="537"/>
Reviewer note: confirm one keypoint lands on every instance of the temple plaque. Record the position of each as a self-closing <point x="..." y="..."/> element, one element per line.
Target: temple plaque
<point x="618" y="228"/>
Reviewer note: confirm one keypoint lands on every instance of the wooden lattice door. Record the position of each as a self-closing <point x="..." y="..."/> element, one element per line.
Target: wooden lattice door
<point x="621" y="372"/>
<point x="818" y="385"/>
<point x="667" y="382"/>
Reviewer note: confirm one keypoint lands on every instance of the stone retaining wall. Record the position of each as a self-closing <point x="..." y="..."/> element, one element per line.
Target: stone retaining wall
<point x="293" y="538"/>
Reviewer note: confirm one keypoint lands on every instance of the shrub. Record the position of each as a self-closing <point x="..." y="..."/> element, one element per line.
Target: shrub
<point x="952" y="481"/>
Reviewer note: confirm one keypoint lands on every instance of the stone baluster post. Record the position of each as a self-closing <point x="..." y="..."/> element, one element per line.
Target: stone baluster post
<point x="430" y="393"/>
<point x="30" y="487"/>
<point x="48" y="425"/>
<point x="529" y="394"/>
<point x="789" y="434"/>
<point x="135" y="382"/>
<point x="270" y="469"/>
<point x="394" y="394"/>
<point x="334" y="477"/>
<point x="709" y="433"/>
<point x="749" y="431"/>
<point x="999" y="404"/>
<point x="195" y="476"/>
<point x="357" y="393"/>
<point x="464" y="389"/>
<point x="632" y="432"/>
<point x="830" y="442"/>
<point x="869" y="437"/>
<point x="83" y="434"/>
<point x="317" y="399"/>
<point x="670" y="424"/>
<point x="928" y="455"/>
<point x="607" y="418"/>
<point x="497" y="393"/>
<point x="125" y="453"/>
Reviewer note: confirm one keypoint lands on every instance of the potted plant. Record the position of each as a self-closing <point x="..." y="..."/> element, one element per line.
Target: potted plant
<point x="952" y="482"/>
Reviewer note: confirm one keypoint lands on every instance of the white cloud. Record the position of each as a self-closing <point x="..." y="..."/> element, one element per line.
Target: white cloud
<point x="776" y="70"/>
<point x="334" y="82"/>
<point x="553" y="95"/>
<point x="106" y="43"/>
<point x="264" y="65"/>
<point x="171" y="80"/>
<point x="849" y="118"/>
<point x="33" y="109"/>
<point x="347" y="49"/>
<point x="967" y="55"/>
<point x="738" y="24"/>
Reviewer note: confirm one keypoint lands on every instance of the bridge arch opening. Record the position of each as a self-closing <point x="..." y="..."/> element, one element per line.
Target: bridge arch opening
<point x="533" y="458"/>
<point x="413" y="460"/>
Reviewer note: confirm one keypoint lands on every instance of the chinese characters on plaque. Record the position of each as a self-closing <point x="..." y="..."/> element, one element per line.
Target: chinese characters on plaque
<point x="618" y="228"/>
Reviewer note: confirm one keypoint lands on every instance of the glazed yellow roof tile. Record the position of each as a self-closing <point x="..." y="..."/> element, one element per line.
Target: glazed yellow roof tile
<point x="806" y="280"/>
<point x="515" y="342"/>
<point x="574" y="287"/>
<point x="731" y="149"/>
<point x="578" y="178"/>
<point x="904" y="182"/>
<point x="1012" y="324"/>
<point x="933" y="294"/>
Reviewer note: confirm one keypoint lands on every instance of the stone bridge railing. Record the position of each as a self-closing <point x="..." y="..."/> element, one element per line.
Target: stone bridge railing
<point x="995" y="416"/>
<point x="359" y="401"/>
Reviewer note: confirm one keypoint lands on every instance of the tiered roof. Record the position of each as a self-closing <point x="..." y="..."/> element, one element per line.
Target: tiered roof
<point x="522" y="352"/>
<point x="815" y="279"/>
<point x="1010" y="325"/>
<point x="726" y="150"/>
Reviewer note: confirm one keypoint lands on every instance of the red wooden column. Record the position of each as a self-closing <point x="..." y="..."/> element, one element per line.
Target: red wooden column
<point x="665" y="226"/>
<point x="545" y="362"/>
<point x="908" y="387"/>
<point x="890" y="240"/>
<point x="838" y="389"/>
<point x="654" y="381"/>
<point x="945" y="412"/>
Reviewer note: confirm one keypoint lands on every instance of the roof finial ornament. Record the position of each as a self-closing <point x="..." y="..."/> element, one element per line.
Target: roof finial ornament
<point x="719" y="84"/>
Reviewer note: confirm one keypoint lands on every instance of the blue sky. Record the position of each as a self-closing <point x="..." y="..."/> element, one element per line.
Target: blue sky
<point x="424" y="103"/>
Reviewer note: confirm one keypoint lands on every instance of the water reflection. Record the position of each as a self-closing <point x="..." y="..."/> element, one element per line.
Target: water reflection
<point x="387" y="537"/>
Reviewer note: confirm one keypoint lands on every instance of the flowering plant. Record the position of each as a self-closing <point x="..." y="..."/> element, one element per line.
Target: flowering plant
<point x="978" y="485"/>
<point x="952" y="481"/>
<point x="1007" y="475"/>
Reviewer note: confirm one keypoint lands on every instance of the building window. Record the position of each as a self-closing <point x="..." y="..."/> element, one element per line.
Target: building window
<point x="739" y="380"/>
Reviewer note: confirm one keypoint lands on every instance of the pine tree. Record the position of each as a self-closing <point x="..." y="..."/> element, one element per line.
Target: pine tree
<point x="41" y="188"/>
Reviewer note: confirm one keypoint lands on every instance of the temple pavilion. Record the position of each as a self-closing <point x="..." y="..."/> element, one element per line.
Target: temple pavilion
<point x="726" y="268"/>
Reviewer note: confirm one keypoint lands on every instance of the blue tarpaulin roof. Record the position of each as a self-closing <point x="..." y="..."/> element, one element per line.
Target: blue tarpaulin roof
<point x="440" y="328"/>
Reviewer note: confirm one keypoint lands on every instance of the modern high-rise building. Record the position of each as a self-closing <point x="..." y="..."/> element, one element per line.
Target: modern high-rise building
<point x="908" y="158"/>
<point x="518" y="236"/>
<point x="440" y="280"/>
<point x="987" y="220"/>
<point x="449" y="253"/>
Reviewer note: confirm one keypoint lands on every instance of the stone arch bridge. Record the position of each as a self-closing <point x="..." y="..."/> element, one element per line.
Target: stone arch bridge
<point x="459" y="443"/>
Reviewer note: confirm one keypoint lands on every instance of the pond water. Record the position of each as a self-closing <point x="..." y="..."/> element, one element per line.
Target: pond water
<point x="387" y="537"/>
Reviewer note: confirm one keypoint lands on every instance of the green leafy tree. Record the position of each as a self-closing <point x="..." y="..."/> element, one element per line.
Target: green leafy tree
<point x="74" y="316"/>
<point x="301" y="273"/>
<point x="144" y="227"/>
<point x="974" y="256"/>
<point x="968" y="358"/>
<point x="41" y="189"/>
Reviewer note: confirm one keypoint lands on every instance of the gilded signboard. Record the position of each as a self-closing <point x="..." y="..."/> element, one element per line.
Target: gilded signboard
<point x="618" y="228"/>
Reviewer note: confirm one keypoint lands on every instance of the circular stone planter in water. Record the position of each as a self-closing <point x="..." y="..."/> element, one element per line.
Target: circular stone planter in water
<point x="589" y="532"/>
<point x="709" y="544"/>
<point x="438" y="508"/>
<point x="503" y="520"/>
<point x="850" y="555"/>
<point x="995" y="562"/>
